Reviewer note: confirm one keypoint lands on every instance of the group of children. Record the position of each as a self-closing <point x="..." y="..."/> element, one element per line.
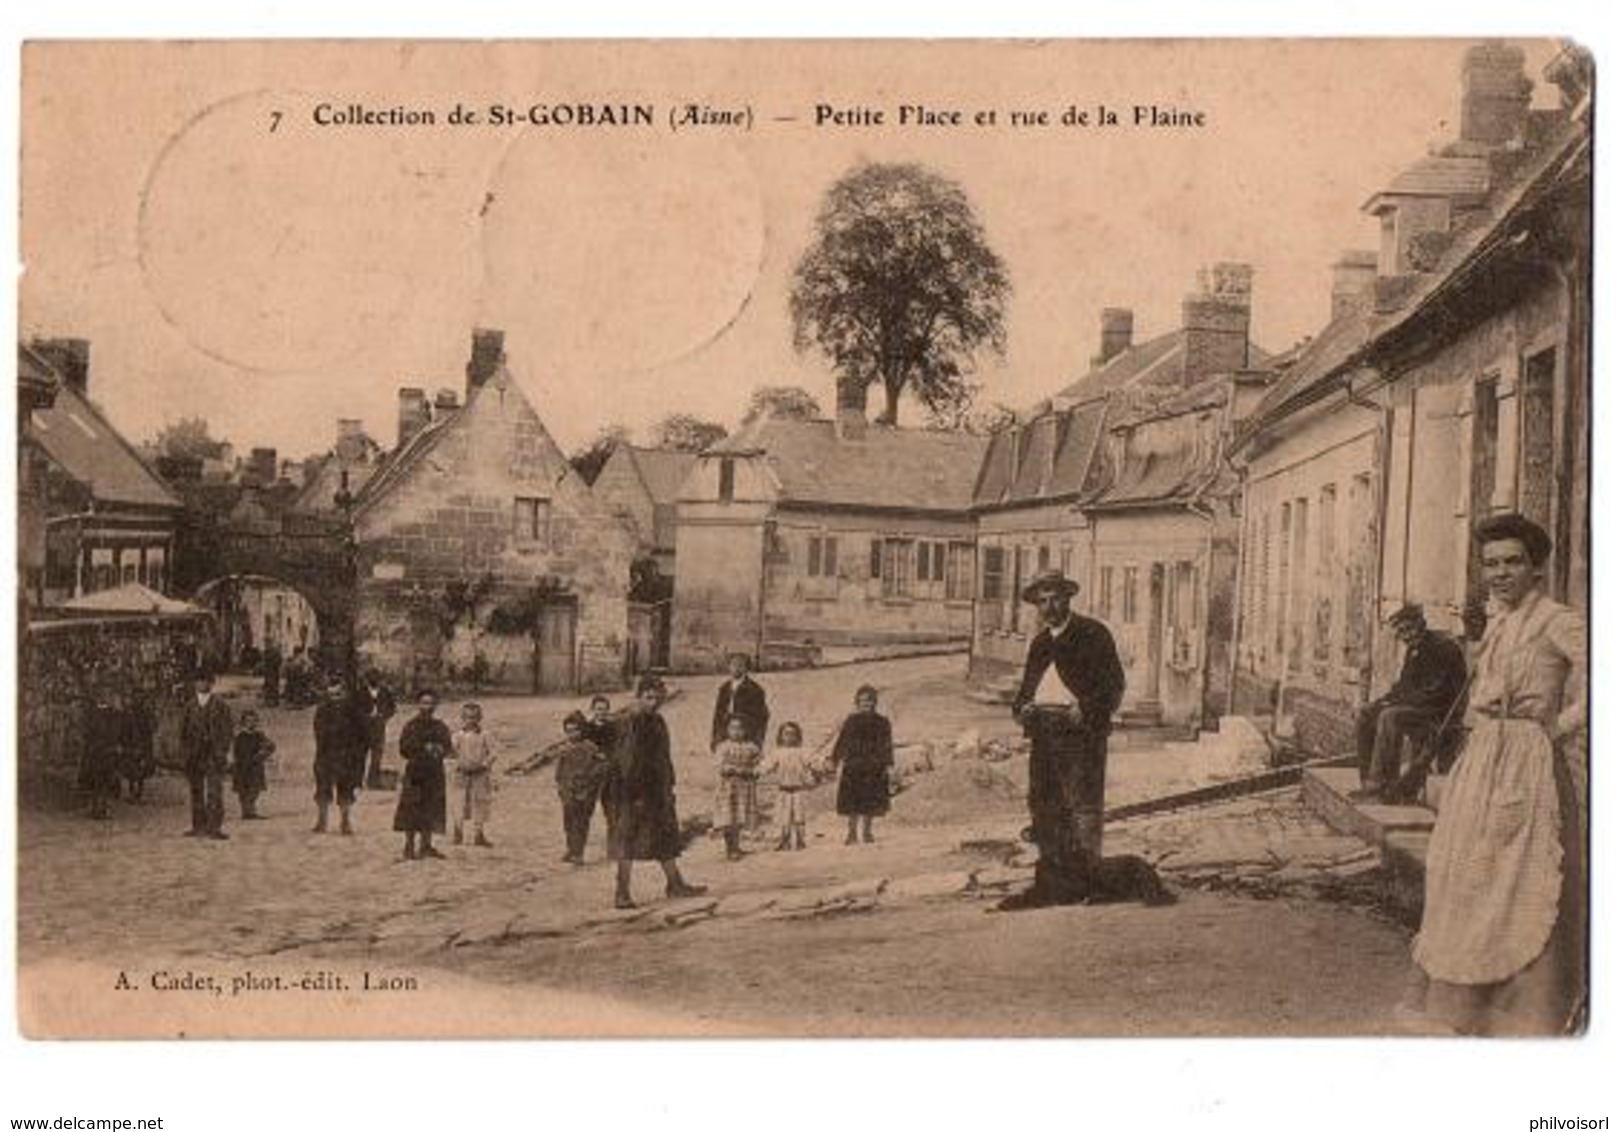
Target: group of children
<point x="862" y="755"/>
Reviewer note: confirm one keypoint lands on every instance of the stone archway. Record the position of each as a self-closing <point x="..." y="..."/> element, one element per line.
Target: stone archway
<point x="312" y="555"/>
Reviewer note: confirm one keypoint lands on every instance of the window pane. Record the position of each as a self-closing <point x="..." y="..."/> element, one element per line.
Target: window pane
<point x="814" y="556"/>
<point x="829" y="557"/>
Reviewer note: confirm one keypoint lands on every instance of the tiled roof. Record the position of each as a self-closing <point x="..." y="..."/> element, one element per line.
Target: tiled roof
<point x="79" y="440"/>
<point x="663" y="471"/>
<point x="888" y="467"/>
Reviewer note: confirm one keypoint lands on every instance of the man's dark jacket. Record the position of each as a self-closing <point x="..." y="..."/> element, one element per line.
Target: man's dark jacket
<point x="749" y="703"/>
<point x="1088" y="663"/>
<point x="206" y="731"/>
<point x="1433" y="675"/>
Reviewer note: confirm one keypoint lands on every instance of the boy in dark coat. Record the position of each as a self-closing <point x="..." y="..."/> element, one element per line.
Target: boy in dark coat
<point x="339" y="757"/>
<point x="248" y="754"/>
<point x="646" y="826"/>
<point x="740" y="695"/>
<point x="424" y="744"/>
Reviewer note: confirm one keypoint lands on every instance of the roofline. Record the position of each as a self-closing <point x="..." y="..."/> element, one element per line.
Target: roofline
<point x="175" y="501"/>
<point x="965" y="513"/>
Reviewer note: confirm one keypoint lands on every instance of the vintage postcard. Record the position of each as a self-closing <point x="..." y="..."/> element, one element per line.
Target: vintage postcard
<point x="761" y="538"/>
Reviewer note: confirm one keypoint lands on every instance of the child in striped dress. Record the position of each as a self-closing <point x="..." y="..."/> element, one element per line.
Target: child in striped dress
<point x="736" y="804"/>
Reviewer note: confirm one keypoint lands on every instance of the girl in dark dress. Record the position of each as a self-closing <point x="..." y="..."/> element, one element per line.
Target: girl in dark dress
<point x="645" y="826"/>
<point x="423" y="744"/>
<point x="864" y="751"/>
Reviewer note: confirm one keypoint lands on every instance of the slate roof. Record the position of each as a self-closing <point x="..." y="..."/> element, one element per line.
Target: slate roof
<point x="81" y="442"/>
<point x="662" y="470"/>
<point x="1441" y="175"/>
<point x="1059" y="465"/>
<point x="913" y="469"/>
<point x="1057" y="445"/>
<point x="1164" y="463"/>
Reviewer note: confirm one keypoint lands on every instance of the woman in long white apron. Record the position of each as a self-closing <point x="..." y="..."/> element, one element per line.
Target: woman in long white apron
<point x="1501" y="948"/>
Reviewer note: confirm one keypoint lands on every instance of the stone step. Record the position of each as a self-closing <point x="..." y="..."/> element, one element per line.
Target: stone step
<point x="1400" y="834"/>
<point x="1327" y="791"/>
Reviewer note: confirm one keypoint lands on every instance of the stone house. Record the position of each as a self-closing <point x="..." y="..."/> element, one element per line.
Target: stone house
<point x="803" y="539"/>
<point x="1120" y="482"/>
<point x="481" y="555"/>
<point x="1453" y="382"/>
<point x="642" y="487"/>
<point x="108" y="518"/>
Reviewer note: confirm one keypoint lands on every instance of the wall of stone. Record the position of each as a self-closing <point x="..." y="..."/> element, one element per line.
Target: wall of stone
<point x="67" y="664"/>
<point x="849" y="607"/>
<point x="720" y="548"/>
<point x="454" y="517"/>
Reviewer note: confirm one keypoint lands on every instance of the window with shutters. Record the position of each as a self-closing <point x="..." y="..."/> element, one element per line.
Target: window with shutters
<point x="958" y="572"/>
<point x="1128" y="598"/>
<point x="1104" y="593"/>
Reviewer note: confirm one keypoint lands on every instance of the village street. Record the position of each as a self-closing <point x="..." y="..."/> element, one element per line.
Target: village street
<point x="1276" y="930"/>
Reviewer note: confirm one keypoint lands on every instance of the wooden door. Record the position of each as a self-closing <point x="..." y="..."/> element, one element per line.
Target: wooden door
<point x="558" y="623"/>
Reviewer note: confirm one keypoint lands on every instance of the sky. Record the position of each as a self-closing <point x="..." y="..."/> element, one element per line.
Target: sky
<point x="230" y="259"/>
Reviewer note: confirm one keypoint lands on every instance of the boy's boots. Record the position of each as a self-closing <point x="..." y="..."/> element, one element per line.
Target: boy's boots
<point x="345" y="827"/>
<point x="322" y="808"/>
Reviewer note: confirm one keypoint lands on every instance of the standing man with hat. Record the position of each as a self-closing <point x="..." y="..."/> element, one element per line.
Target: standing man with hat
<point x="1072" y="685"/>
<point x="1430" y="682"/>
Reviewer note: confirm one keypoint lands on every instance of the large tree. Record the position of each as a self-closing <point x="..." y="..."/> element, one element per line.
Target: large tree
<point x="900" y="287"/>
<point x="187" y="437"/>
<point x="686" y="433"/>
<point x="788" y="401"/>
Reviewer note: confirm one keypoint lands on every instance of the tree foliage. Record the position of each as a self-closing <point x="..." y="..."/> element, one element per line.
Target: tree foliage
<point x="901" y="287"/>
<point x="188" y="437"/>
<point x="786" y="401"/>
<point x="683" y="432"/>
<point x="589" y="459"/>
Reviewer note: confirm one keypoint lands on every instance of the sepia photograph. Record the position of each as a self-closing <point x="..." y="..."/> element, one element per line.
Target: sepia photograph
<point x="781" y="539"/>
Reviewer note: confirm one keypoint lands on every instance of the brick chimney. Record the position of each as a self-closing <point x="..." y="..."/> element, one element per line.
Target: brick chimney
<point x="1118" y="329"/>
<point x="850" y="422"/>
<point x="350" y="447"/>
<point x="1215" y="322"/>
<point x="1495" y="94"/>
<point x="445" y="401"/>
<point x="262" y="466"/>
<point x="70" y="358"/>
<point x="1352" y="275"/>
<point x="414" y="413"/>
<point x="488" y="355"/>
